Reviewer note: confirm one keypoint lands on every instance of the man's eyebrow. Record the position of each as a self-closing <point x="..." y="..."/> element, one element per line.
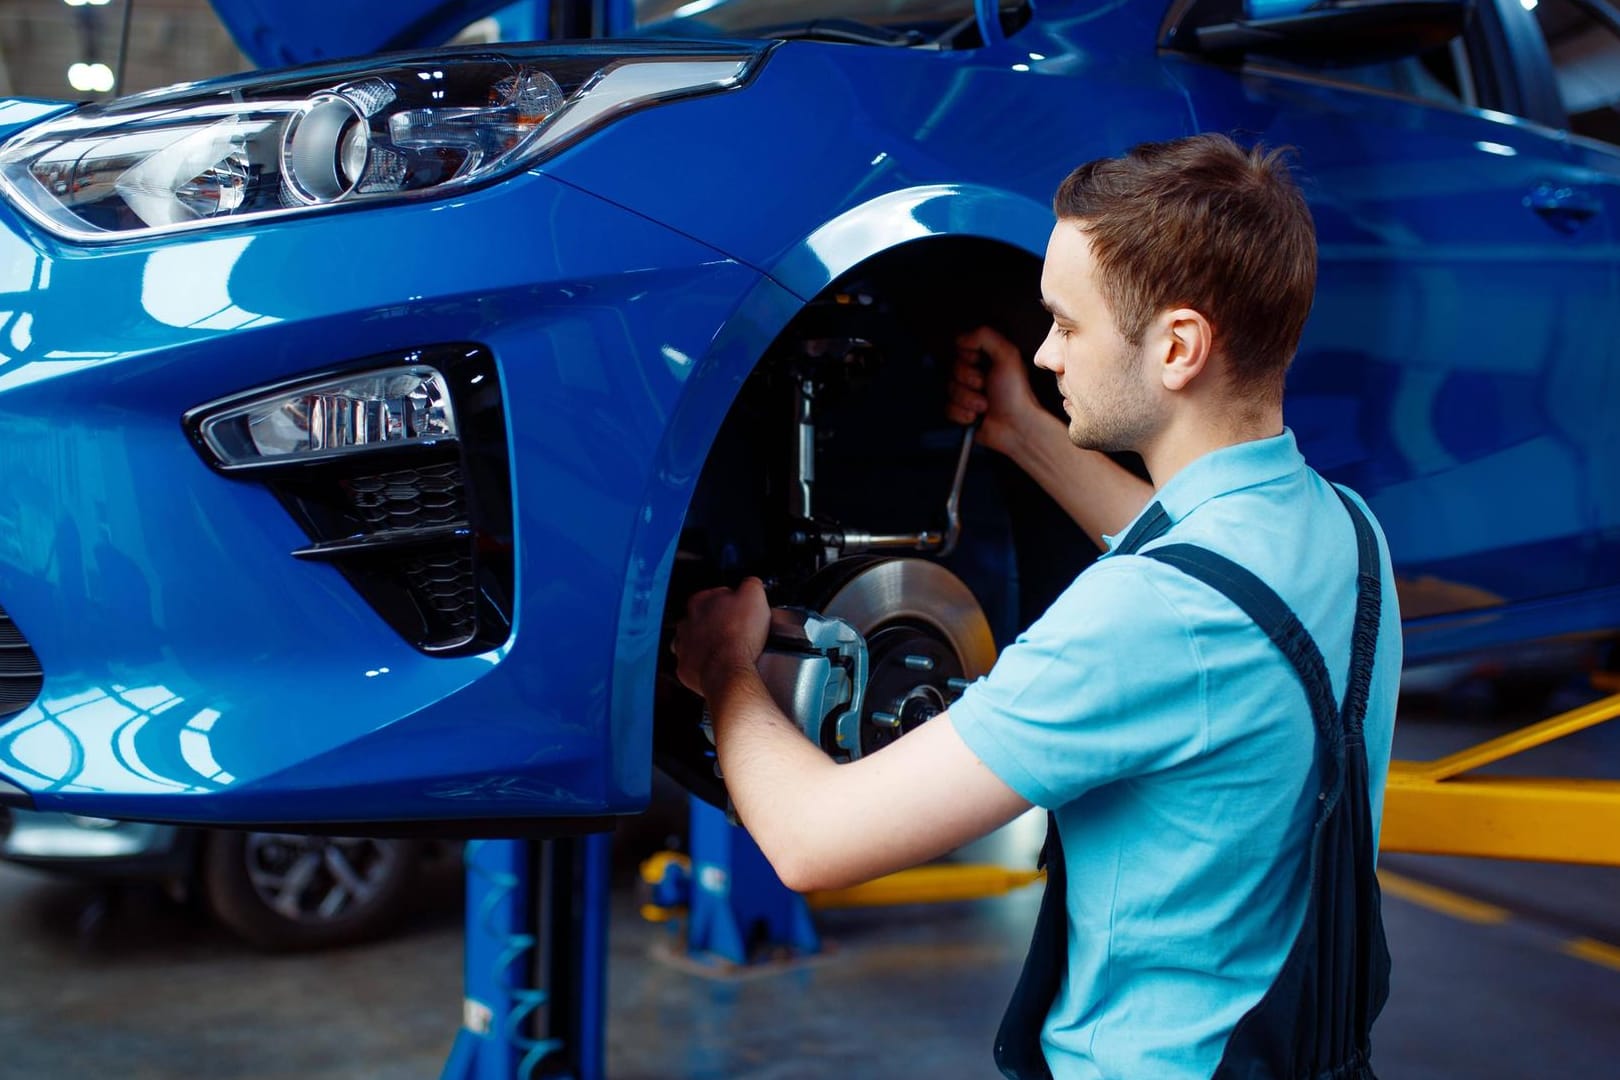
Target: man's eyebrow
<point x="1055" y="311"/>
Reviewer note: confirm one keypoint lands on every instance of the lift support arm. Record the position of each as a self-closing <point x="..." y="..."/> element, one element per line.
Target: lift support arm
<point x="1437" y="808"/>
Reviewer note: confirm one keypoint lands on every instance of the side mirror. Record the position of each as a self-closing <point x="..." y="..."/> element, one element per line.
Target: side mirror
<point x="1336" y="33"/>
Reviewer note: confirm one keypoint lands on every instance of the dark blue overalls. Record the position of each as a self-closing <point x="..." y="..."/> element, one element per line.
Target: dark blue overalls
<point x="1314" y="1023"/>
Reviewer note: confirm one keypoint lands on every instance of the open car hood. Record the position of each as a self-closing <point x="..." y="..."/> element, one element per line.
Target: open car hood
<point x="275" y="33"/>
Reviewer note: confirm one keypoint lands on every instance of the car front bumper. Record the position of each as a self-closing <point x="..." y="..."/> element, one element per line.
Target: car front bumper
<point x="193" y="670"/>
<point x="88" y="847"/>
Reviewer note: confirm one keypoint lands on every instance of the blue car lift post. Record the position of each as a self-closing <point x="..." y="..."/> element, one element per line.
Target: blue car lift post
<point x="535" y="999"/>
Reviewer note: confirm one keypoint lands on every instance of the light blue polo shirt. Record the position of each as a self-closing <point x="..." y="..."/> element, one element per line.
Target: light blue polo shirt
<point x="1177" y="747"/>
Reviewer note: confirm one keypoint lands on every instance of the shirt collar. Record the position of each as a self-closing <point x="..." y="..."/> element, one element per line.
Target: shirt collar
<point x="1220" y="472"/>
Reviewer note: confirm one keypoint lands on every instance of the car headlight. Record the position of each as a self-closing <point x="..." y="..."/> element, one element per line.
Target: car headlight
<point x="339" y="135"/>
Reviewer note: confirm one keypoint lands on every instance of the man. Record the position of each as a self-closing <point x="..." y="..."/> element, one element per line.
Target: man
<point x="1211" y="814"/>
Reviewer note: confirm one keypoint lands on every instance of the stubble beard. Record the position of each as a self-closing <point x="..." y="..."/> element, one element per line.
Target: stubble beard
<point x="1118" y="416"/>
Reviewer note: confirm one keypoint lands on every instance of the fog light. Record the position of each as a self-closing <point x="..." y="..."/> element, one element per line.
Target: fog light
<point x="335" y="416"/>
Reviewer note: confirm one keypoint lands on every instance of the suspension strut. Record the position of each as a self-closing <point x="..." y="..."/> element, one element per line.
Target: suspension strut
<point x="834" y="542"/>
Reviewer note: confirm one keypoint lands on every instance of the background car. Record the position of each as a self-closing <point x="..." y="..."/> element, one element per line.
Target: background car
<point x="366" y="423"/>
<point x="276" y="890"/>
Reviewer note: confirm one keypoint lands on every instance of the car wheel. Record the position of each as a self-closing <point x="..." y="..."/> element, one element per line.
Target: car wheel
<point x="284" y="891"/>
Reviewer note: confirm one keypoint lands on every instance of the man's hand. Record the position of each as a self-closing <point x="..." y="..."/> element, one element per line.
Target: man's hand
<point x="1001" y="394"/>
<point x="723" y="633"/>
<point x="812" y="818"/>
<point x="1097" y="493"/>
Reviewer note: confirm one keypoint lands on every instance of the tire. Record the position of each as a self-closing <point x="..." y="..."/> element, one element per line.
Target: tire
<point x="284" y="892"/>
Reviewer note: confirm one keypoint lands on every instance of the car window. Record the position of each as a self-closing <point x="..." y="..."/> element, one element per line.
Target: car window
<point x="1584" y="43"/>
<point x="1441" y="75"/>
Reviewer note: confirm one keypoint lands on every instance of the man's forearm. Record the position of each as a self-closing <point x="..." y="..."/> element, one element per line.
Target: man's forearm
<point x="828" y="826"/>
<point x="1092" y="488"/>
<point x="772" y="772"/>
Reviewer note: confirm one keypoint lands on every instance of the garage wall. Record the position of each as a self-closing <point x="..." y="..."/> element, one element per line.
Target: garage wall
<point x="170" y="41"/>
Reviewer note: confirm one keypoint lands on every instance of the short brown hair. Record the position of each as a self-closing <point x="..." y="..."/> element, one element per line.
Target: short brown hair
<point x="1201" y="222"/>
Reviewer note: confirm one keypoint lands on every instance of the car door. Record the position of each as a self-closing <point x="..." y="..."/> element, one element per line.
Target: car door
<point x="1575" y="45"/>
<point x="1443" y="373"/>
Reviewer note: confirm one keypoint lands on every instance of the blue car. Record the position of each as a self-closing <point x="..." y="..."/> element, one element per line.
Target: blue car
<point x="364" y="423"/>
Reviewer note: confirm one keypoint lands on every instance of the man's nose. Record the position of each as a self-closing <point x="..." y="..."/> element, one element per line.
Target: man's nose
<point x="1045" y="356"/>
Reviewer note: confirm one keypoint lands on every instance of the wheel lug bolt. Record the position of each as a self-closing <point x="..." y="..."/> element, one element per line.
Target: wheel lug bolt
<point x="886" y="720"/>
<point x="920" y="663"/>
<point x="956" y="686"/>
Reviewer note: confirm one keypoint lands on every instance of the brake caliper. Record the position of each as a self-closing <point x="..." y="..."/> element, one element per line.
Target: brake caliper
<point x="815" y="667"/>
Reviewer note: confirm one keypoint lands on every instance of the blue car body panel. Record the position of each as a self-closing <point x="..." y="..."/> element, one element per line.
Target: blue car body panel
<point x="19" y="113"/>
<point x="274" y="33"/>
<point x="188" y="655"/>
<point x="841" y="149"/>
<point x="195" y="672"/>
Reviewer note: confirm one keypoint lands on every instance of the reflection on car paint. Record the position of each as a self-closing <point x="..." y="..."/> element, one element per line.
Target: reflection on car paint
<point x="81" y="741"/>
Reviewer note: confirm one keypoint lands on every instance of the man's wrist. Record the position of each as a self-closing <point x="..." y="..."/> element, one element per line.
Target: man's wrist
<point x="1023" y="435"/>
<point x="722" y="676"/>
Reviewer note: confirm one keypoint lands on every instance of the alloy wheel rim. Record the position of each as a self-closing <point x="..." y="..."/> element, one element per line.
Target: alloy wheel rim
<point x="315" y="879"/>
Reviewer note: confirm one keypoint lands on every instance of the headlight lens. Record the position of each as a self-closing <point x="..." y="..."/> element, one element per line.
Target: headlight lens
<point x="409" y="128"/>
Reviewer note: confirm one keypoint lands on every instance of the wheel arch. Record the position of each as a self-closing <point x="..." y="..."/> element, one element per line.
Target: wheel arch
<point x="882" y="225"/>
<point x="965" y="228"/>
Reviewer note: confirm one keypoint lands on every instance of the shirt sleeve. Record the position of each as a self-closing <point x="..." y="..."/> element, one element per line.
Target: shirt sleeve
<point x="1106" y="685"/>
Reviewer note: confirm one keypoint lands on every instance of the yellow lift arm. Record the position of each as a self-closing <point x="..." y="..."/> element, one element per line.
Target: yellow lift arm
<point x="1436" y="808"/>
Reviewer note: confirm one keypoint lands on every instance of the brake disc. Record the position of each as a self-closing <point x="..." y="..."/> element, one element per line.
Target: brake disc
<point x="926" y="639"/>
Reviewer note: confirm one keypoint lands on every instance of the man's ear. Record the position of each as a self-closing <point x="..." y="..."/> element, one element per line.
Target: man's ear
<point x="1188" y="342"/>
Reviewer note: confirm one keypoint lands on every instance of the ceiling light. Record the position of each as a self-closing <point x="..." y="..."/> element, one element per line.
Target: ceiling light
<point x="90" y="78"/>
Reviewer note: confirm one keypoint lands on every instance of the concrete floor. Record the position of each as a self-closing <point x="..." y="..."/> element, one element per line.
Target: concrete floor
<point x="1497" y="989"/>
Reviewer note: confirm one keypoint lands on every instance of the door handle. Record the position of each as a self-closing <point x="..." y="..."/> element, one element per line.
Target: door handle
<point x="1563" y="206"/>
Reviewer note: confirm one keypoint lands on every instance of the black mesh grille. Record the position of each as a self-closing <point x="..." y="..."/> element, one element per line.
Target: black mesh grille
<point x="442" y="580"/>
<point x="410" y="498"/>
<point x="446" y="586"/>
<point x="20" y="673"/>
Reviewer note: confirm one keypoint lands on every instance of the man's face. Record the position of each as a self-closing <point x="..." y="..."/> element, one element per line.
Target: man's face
<point x="1108" y="389"/>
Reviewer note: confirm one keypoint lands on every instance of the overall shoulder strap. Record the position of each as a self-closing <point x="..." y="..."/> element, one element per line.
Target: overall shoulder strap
<point x="1276" y="619"/>
<point x="1262" y="604"/>
<point x="1369" y="606"/>
<point x="1151" y="524"/>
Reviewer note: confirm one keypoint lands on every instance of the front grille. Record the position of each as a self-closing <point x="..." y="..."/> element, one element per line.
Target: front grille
<point x="20" y="674"/>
